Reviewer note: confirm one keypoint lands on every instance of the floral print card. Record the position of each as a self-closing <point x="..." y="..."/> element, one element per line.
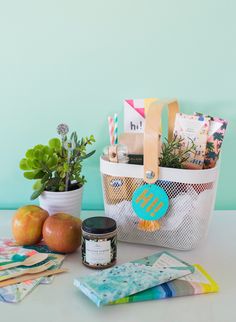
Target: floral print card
<point x="130" y="278"/>
<point x="192" y="129"/>
<point x="215" y="139"/>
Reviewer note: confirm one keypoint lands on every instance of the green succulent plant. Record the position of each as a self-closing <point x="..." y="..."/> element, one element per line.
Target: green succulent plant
<point x="57" y="166"/>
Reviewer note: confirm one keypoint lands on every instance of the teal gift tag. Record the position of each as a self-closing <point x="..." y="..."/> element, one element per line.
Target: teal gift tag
<point x="150" y="202"/>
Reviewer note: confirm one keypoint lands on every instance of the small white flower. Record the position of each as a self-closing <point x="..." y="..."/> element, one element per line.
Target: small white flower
<point x="69" y="145"/>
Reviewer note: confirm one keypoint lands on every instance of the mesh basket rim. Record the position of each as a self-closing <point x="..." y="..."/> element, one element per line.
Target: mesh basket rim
<point x="169" y="174"/>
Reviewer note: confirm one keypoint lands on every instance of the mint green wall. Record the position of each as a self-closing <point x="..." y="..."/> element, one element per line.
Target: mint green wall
<point x="75" y="61"/>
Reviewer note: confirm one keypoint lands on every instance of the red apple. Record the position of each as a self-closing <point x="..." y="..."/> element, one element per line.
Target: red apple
<point x="27" y="224"/>
<point x="62" y="233"/>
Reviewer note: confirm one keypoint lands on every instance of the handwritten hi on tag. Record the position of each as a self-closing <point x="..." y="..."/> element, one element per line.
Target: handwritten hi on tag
<point x="150" y="202"/>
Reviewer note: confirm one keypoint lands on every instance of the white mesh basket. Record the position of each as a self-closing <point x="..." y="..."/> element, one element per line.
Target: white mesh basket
<point x="191" y="192"/>
<point x="191" y="195"/>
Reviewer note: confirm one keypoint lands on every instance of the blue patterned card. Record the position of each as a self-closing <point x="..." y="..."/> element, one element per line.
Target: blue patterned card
<point x="130" y="278"/>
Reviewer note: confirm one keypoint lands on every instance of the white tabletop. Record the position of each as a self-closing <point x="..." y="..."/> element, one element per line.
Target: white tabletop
<point x="61" y="301"/>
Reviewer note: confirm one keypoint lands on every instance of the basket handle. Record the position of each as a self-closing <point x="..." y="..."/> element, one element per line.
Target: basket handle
<point x="152" y="144"/>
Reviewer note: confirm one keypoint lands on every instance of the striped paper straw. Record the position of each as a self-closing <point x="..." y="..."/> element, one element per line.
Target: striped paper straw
<point x="111" y="129"/>
<point x="116" y="128"/>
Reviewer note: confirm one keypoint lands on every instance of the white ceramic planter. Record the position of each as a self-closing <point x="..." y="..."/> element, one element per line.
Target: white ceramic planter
<point x="67" y="201"/>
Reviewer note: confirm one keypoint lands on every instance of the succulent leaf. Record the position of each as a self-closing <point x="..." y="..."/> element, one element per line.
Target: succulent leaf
<point x="56" y="165"/>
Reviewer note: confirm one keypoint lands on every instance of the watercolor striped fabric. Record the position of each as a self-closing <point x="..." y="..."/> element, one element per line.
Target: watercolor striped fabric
<point x="200" y="282"/>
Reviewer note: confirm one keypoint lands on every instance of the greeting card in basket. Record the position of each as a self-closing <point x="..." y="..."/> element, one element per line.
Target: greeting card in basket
<point x="134" y="122"/>
<point x="134" y="115"/>
<point x="193" y="129"/>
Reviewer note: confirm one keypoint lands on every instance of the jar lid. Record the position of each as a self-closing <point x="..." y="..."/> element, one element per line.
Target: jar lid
<point x="99" y="225"/>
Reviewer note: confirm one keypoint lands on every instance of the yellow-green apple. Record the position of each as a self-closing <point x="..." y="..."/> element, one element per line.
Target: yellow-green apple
<point x="62" y="233"/>
<point x="27" y="224"/>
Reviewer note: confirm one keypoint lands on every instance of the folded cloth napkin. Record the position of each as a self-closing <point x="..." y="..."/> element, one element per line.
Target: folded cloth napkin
<point x="15" y="293"/>
<point x="10" y="253"/>
<point x="125" y="280"/>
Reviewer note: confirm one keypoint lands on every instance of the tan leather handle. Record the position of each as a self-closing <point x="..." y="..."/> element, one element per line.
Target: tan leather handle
<point x="152" y="144"/>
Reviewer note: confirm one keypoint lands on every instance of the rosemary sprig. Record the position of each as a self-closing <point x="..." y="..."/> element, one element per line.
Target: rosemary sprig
<point x="174" y="154"/>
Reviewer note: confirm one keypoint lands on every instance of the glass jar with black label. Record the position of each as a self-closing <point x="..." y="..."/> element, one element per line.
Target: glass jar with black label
<point x="99" y="242"/>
